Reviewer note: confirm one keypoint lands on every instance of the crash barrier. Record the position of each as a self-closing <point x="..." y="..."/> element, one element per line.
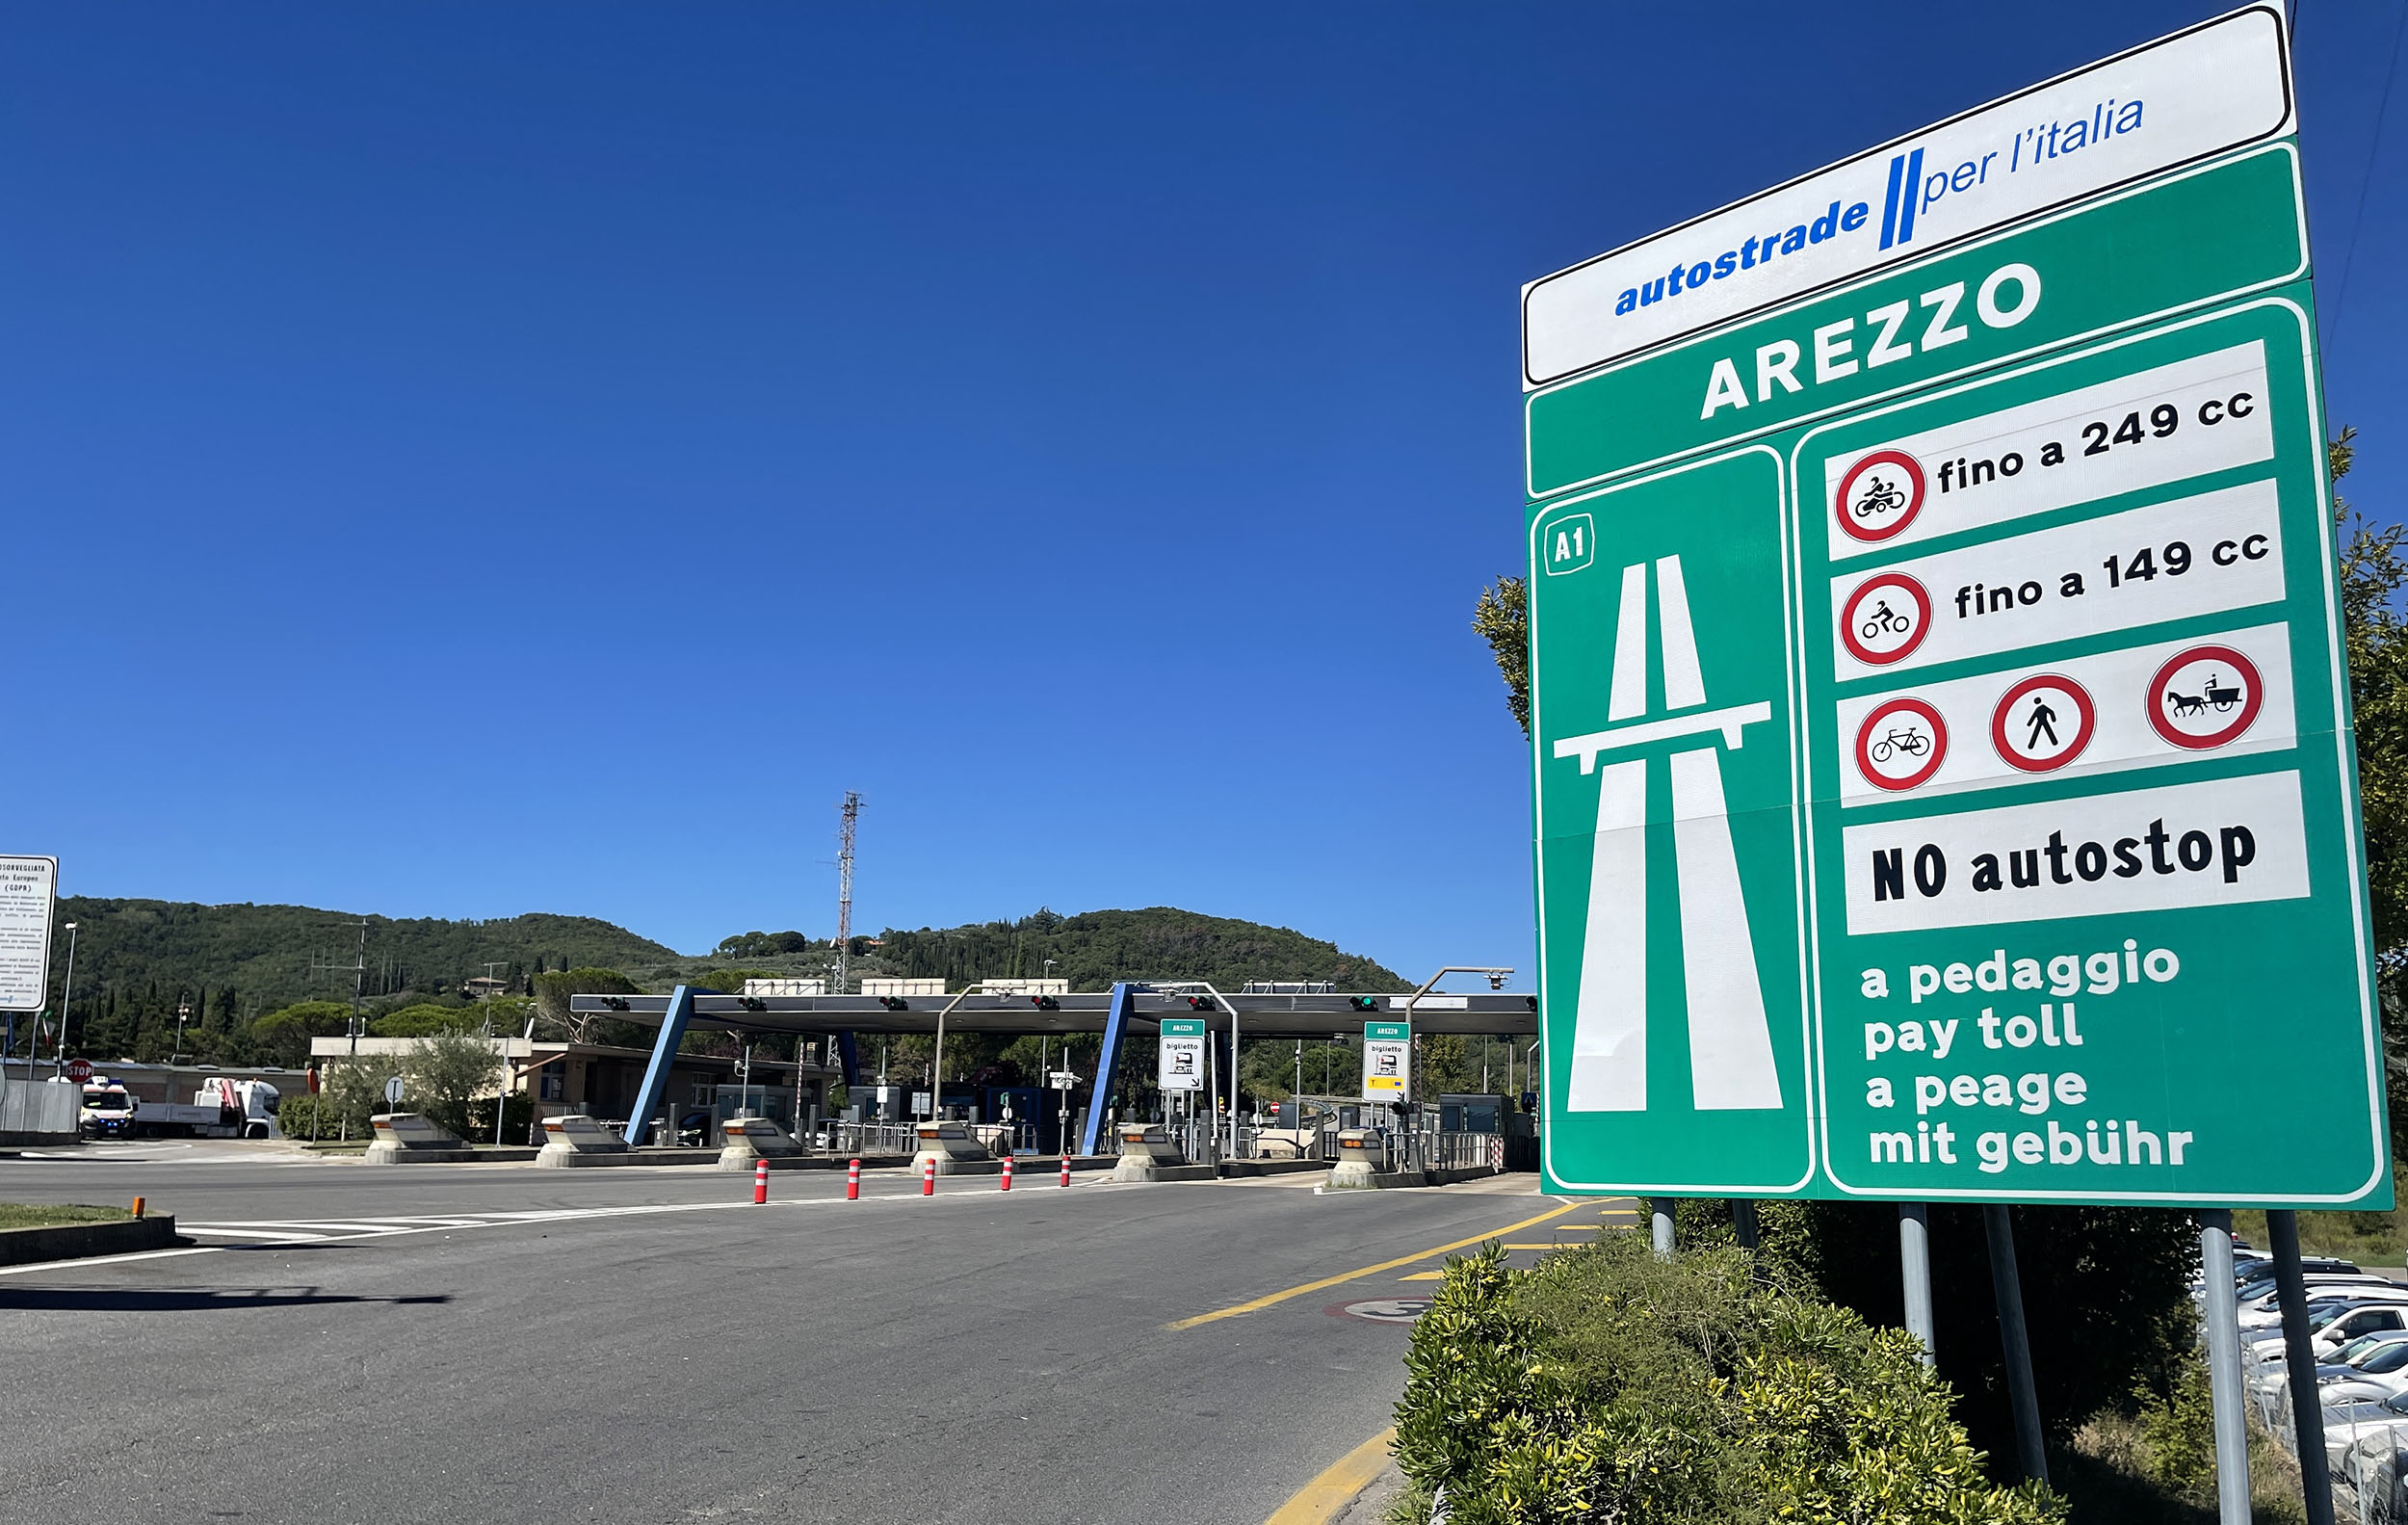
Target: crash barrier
<point x="1147" y="1153"/>
<point x="40" y="1111"/>
<point x="409" y="1138"/>
<point x="872" y="1138"/>
<point x="1367" y="1162"/>
<point x="752" y="1142"/>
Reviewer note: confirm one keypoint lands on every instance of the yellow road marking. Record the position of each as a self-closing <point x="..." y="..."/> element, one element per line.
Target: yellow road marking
<point x="1257" y="1304"/>
<point x="1424" y="1275"/>
<point x="1336" y="1488"/>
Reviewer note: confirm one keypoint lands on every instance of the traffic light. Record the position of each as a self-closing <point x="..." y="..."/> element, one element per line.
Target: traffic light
<point x="1365" y="1003"/>
<point x="893" y="1003"/>
<point x="1045" y="1003"/>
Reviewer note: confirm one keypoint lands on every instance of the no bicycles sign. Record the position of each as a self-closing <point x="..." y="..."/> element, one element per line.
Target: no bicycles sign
<point x="1945" y="781"/>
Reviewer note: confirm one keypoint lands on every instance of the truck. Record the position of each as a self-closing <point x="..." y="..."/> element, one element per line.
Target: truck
<point x="223" y="1108"/>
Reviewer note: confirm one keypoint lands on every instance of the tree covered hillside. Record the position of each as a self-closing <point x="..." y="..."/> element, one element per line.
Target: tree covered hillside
<point x="1096" y="948"/>
<point x="238" y="961"/>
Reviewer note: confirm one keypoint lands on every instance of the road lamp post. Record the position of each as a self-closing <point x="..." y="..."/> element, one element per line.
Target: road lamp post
<point x="64" y="997"/>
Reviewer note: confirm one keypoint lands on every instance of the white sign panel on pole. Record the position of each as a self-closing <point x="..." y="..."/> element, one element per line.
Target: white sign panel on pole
<point x="29" y="895"/>
<point x="1387" y="1062"/>
<point x="1181" y="1064"/>
<point x="2217" y="86"/>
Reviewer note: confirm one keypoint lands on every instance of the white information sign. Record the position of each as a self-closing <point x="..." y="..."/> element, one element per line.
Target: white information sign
<point x="1181" y="1064"/>
<point x="1387" y="1062"/>
<point x="29" y="894"/>
<point x="2214" y="87"/>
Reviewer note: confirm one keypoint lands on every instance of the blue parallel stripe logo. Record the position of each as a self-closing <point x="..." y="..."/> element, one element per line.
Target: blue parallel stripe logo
<point x="1898" y="208"/>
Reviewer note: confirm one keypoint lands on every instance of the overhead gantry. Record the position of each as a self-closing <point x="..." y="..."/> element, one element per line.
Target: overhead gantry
<point x="1131" y="1009"/>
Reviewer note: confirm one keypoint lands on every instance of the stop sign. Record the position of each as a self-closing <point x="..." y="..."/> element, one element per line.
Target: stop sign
<point x="79" y="1070"/>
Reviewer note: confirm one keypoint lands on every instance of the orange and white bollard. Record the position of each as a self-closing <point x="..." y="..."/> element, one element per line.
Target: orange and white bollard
<point x="1065" y="1167"/>
<point x="928" y="1178"/>
<point x="1006" y="1186"/>
<point x="852" y="1182"/>
<point x="761" y="1183"/>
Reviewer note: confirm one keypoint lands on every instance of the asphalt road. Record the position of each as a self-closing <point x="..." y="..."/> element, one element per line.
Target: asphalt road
<point x="488" y="1342"/>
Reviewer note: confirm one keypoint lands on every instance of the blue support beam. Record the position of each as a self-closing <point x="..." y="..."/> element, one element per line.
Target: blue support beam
<point x="850" y="1052"/>
<point x="663" y="1054"/>
<point x="1124" y="1006"/>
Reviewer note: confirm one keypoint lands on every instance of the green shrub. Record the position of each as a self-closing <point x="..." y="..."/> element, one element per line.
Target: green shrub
<point x="1606" y="1386"/>
<point x="518" y="1113"/>
<point x="2107" y="1289"/>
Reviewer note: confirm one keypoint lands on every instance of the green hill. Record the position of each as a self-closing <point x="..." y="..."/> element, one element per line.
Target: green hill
<point x="237" y="961"/>
<point x="1096" y="948"/>
<point x="137" y="960"/>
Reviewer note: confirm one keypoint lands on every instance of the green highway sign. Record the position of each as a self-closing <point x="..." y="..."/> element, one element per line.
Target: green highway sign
<point x="1945" y="781"/>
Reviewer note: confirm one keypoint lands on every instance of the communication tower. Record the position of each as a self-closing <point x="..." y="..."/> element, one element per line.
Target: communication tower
<point x="851" y="815"/>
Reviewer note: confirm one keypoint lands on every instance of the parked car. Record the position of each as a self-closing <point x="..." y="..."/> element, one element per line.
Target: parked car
<point x="2266" y="1311"/>
<point x="2371" y="1459"/>
<point x="2372" y="1377"/>
<point x="2372" y="1358"/>
<point x="2324" y="1312"/>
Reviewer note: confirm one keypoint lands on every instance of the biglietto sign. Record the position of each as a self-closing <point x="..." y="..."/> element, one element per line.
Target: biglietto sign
<point x="1945" y="781"/>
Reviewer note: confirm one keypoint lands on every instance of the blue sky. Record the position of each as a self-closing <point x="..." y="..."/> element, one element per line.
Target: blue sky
<point x="468" y="459"/>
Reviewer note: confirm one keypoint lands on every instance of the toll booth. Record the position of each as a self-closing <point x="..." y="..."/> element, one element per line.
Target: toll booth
<point x="773" y="1102"/>
<point x="1469" y="1112"/>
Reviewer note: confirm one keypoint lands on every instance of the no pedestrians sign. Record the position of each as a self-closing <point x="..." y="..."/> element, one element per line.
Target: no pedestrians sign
<point x="1945" y="781"/>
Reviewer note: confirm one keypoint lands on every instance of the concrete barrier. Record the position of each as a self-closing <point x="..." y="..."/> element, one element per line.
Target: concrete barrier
<point x="577" y="1140"/>
<point x="950" y="1145"/>
<point x="1147" y="1154"/>
<point x="1272" y="1166"/>
<point x="408" y="1137"/>
<point x="26" y="1246"/>
<point x="752" y="1142"/>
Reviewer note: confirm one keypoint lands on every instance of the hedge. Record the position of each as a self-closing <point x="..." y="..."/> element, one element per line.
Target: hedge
<point x="1606" y="1386"/>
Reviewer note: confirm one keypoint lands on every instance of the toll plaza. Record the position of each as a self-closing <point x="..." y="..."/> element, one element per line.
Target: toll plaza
<point x="1128" y="1013"/>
